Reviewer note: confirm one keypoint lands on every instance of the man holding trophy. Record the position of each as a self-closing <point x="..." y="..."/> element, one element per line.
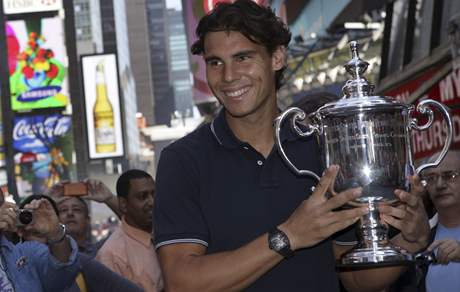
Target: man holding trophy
<point x="230" y="214"/>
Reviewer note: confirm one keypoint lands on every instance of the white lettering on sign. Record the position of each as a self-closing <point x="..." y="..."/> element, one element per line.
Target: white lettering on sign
<point x="449" y="87"/>
<point x="52" y="127"/>
<point x="434" y="137"/>
<point x="28" y="6"/>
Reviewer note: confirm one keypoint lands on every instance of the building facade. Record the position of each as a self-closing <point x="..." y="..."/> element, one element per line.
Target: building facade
<point x="179" y="63"/>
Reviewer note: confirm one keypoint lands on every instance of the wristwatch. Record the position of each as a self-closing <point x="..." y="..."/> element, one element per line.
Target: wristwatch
<point x="61" y="236"/>
<point x="279" y="242"/>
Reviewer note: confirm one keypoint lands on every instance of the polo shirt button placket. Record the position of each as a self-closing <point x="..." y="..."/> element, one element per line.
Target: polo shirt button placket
<point x="260" y="162"/>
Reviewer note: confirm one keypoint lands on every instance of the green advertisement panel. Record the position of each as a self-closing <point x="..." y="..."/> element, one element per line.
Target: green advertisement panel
<point x="37" y="62"/>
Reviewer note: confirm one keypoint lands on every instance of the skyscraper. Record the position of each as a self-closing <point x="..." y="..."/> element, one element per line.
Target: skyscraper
<point x="139" y="47"/>
<point x="163" y="92"/>
<point x="179" y="61"/>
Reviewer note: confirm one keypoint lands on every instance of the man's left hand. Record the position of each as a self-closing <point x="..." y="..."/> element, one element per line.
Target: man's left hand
<point x="410" y="217"/>
<point x="45" y="222"/>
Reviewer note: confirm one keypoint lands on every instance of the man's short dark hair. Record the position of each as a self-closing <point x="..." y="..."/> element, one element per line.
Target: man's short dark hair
<point x="259" y="24"/>
<point x="123" y="182"/>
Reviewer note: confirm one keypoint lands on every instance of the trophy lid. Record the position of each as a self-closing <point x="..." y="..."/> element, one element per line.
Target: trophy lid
<point x="358" y="92"/>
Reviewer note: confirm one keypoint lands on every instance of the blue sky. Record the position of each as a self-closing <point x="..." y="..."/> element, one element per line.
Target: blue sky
<point x="174" y="4"/>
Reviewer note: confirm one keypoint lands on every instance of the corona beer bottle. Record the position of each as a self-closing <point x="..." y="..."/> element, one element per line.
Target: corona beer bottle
<point x="103" y="115"/>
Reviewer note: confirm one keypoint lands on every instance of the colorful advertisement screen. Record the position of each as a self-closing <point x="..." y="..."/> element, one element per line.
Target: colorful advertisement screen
<point x="37" y="61"/>
<point x="102" y="101"/>
<point x="43" y="150"/>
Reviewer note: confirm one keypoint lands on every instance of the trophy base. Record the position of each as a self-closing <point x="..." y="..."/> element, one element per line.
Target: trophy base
<point x="374" y="257"/>
<point x="374" y="248"/>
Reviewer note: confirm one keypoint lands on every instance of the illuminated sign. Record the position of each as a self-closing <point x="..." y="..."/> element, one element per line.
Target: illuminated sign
<point x="209" y="5"/>
<point x="37" y="62"/>
<point x="43" y="151"/>
<point x="30" y="6"/>
<point x="102" y="100"/>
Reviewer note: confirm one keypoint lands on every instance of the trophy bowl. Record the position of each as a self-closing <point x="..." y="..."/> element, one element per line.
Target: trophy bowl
<point x="369" y="137"/>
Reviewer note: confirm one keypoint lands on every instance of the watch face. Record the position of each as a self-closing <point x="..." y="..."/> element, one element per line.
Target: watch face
<point x="278" y="242"/>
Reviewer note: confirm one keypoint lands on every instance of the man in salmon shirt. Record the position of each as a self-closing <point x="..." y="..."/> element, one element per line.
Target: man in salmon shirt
<point x="129" y="250"/>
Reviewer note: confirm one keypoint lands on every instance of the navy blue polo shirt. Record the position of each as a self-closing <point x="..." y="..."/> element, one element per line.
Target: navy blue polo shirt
<point x="215" y="190"/>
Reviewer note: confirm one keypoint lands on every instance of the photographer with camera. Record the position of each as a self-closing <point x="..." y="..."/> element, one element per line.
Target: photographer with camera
<point x="92" y="276"/>
<point x="34" y="266"/>
<point x="71" y="199"/>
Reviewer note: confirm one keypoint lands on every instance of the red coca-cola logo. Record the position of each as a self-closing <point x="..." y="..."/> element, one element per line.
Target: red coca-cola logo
<point x="209" y="5"/>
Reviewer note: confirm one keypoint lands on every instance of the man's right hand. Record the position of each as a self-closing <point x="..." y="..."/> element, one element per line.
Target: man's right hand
<point x="315" y="219"/>
<point x="8" y="217"/>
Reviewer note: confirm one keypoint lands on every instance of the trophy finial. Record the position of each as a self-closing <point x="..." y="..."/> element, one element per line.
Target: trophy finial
<point x="354" y="49"/>
<point x="356" y="67"/>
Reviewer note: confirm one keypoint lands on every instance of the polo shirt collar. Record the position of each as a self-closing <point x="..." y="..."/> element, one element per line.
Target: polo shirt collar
<point x="139" y="235"/>
<point x="225" y="137"/>
<point x="222" y="132"/>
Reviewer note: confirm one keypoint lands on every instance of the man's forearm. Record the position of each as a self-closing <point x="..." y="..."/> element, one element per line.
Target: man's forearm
<point x="112" y="203"/>
<point x="224" y="271"/>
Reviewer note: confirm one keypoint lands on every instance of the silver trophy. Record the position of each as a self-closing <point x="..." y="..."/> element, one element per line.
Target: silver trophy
<point x="369" y="137"/>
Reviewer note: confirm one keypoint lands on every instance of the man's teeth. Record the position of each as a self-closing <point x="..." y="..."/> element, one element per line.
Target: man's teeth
<point x="237" y="93"/>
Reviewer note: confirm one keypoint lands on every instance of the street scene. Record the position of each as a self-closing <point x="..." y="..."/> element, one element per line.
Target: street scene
<point x="230" y="145"/>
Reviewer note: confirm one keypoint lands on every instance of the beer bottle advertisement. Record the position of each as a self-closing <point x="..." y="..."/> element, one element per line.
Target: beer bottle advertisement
<point x="102" y="106"/>
<point x="103" y="115"/>
<point x="43" y="146"/>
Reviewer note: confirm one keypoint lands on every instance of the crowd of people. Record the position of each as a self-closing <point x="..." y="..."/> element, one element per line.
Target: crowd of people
<point x="224" y="212"/>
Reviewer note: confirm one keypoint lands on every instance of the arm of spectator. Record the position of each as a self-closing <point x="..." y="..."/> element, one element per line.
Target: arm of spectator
<point x="55" y="275"/>
<point x="98" y="277"/>
<point x="99" y="192"/>
<point x="448" y="250"/>
<point x="46" y="225"/>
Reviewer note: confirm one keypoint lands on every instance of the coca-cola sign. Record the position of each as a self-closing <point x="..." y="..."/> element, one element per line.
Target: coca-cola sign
<point x="37" y="134"/>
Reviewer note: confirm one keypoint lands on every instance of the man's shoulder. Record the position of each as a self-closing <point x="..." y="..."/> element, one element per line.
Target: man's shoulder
<point x="196" y="143"/>
<point x="114" y="244"/>
<point x="201" y="135"/>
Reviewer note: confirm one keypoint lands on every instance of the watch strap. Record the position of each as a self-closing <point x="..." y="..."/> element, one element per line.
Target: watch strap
<point x="285" y="250"/>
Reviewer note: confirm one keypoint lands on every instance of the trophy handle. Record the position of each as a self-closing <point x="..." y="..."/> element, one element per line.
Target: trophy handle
<point x="423" y="108"/>
<point x="299" y="115"/>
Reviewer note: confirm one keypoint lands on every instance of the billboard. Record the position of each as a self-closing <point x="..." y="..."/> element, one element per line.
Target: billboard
<point x="43" y="150"/>
<point x="30" y="6"/>
<point x="37" y="62"/>
<point x="102" y="103"/>
<point x="447" y="91"/>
